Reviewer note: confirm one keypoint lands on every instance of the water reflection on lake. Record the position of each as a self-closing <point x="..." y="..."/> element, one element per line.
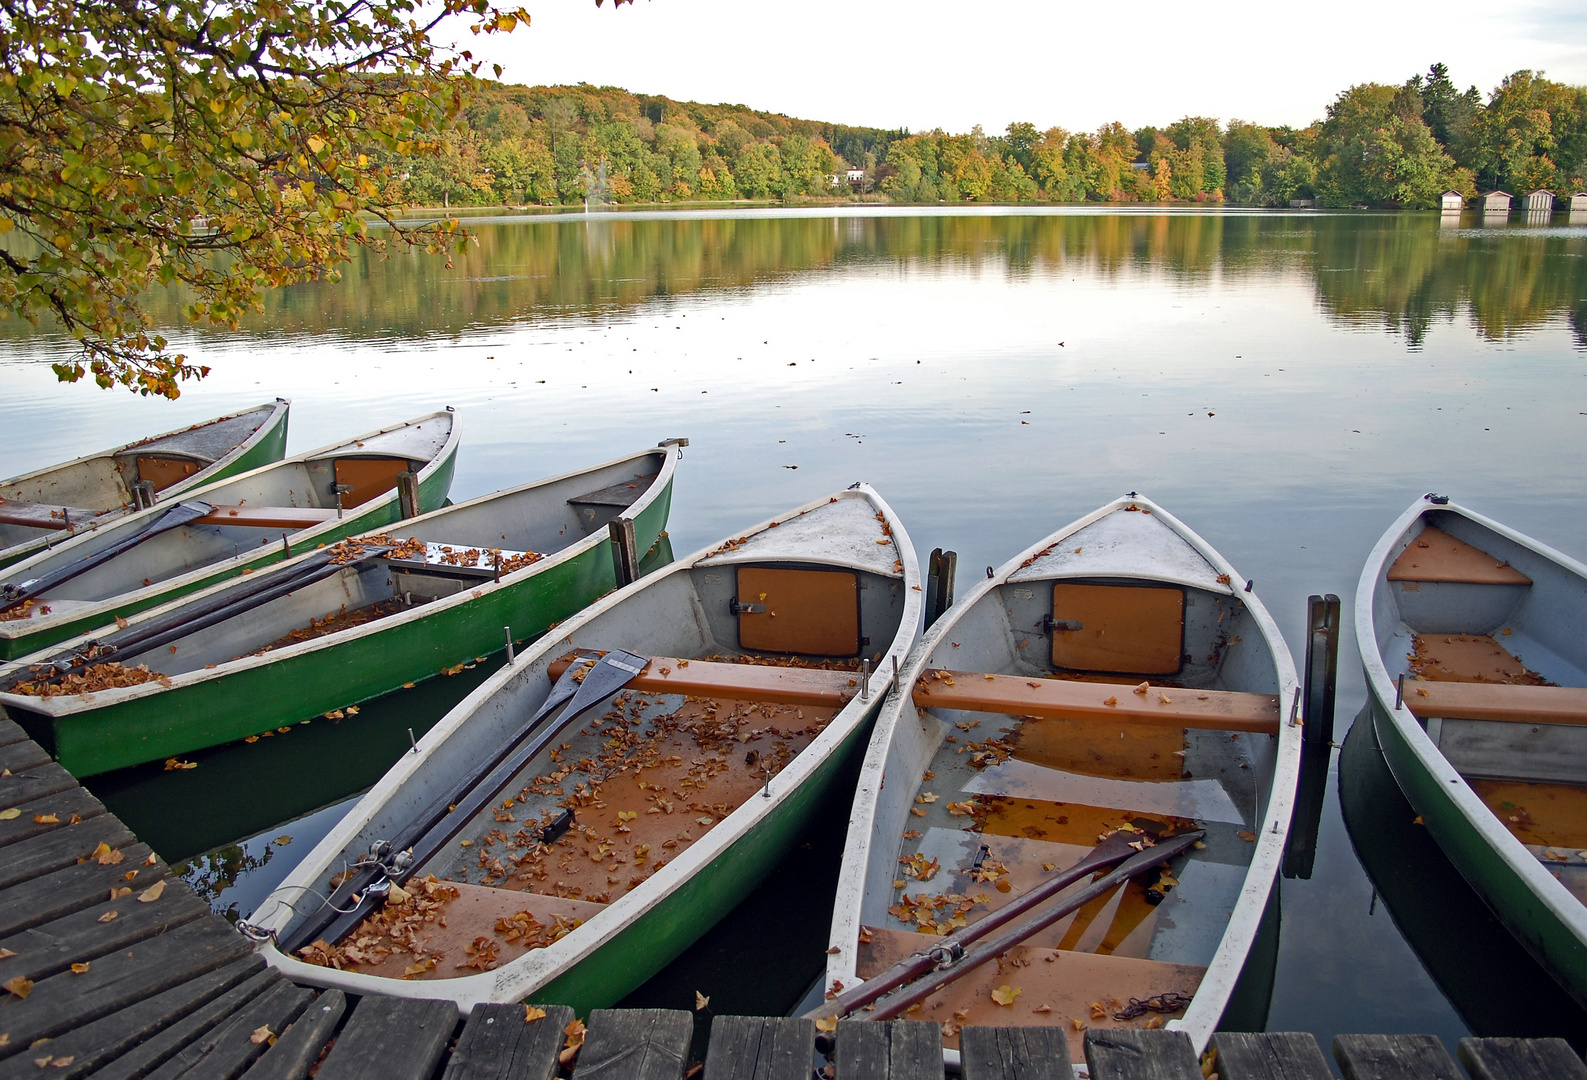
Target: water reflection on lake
<point x="1284" y="383"/>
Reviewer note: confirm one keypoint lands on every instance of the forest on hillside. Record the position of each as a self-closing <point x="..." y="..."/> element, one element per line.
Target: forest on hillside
<point x="1378" y="145"/>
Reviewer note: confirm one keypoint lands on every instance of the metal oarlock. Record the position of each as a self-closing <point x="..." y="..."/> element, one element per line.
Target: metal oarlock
<point x="865" y="680"/>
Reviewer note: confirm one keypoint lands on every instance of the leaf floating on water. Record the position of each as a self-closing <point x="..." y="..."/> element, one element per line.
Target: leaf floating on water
<point x="283" y="840"/>
<point x="1418" y="820"/>
<point x="531" y="1013"/>
<point x="827" y="1023"/>
<point x="700" y="1001"/>
<point x="152" y="893"/>
<point x="1005" y="994"/>
<point x="174" y="764"/>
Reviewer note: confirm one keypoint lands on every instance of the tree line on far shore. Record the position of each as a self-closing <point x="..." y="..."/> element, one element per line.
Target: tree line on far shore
<point x="1378" y="145"/>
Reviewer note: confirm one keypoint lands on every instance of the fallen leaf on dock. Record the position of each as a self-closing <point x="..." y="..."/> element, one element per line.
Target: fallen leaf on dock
<point x="700" y="1001"/>
<point x="80" y="969"/>
<point x="827" y="1023"/>
<point x="152" y="893"/>
<point x="532" y="1013"/>
<point x="262" y="1033"/>
<point x="107" y="916"/>
<point x="10" y="814"/>
<point x="104" y="855"/>
<point x="46" y="819"/>
<point x="21" y="986"/>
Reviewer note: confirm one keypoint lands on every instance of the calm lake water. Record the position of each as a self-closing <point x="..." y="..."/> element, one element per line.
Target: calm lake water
<point x="1284" y="383"/>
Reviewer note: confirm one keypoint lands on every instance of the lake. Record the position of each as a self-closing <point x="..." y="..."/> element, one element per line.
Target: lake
<point x="1284" y="383"/>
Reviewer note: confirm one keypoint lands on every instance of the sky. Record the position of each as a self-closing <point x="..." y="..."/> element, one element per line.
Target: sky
<point x="953" y="65"/>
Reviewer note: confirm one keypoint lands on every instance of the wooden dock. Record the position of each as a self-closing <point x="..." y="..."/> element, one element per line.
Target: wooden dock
<point x="111" y="969"/>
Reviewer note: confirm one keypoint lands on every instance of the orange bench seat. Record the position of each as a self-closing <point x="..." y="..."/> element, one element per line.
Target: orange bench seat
<point x="1497" y="701"/>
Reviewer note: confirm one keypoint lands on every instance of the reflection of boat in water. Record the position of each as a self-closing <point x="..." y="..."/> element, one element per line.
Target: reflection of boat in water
<point x="1495" y="986"/>
<point x="1471" y="640"/>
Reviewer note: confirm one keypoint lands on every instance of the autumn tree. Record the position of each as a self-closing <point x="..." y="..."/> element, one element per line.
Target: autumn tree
<point x="229" y="147"/>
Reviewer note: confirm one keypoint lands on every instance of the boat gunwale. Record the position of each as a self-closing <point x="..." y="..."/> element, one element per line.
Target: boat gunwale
<point x="1514" y="854"/>
<point x="67" y="705"/>
<point x="1223" y="970"/>
<point x="520" y="977"/>
<point x="21" y="629"/>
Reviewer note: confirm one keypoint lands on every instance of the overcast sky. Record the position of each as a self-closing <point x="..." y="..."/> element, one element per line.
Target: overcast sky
<point x="933" y="64"/>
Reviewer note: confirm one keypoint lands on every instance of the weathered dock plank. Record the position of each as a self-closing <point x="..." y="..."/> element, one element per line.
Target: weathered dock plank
<point x="93" y="932"/>
<point x="1018" y="1053"/>
<point x="49" y="813"/>
<point x="10" y="732"/>
<point x="759" y="1048"/>
<point x="1131" y="1054"/>
<point x="296" y="1051"/>
<point x="231" y="1046"/>
<point x="130" y="1042"/>
<point x="1520" y="1059"/>
<point x="1277" y="1055"/>
<point x="34" y="783"/>
<point x="62" y="1002"/>
<point x="55" y="895"/>
<point x="635" y="1044"/>
<point x="1394" y="1057"/>
<point x="499" y="1044"/>
<point x="24" y="754"/>
<point x="892" y="1050"/>
<point x="391" y="1039"/>
<point x="66" y="847"/>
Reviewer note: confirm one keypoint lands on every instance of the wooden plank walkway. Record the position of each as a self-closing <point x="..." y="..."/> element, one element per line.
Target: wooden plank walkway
<point x="112" y="969"/>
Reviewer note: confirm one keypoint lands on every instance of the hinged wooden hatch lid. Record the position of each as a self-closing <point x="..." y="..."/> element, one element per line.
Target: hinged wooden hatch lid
<point x="809" y="612"/>
<point x="1131" y="629"/>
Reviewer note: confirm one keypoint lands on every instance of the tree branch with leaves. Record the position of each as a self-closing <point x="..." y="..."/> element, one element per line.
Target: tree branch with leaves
<point x="226" y="147"/>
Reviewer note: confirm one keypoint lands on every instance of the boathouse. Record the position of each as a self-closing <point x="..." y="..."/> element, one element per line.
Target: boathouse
<point x="1541" y="199"/>
<point x="1496" y="201"/>
<point x="1452" y="200"/>
<point x="1578" y="201"/>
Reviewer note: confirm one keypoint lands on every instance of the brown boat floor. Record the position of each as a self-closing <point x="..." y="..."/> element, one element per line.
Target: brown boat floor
<point x="1047" y="987"/>
<point x="1131" y="751"/>
<point x="644" y="800"/>
<point x="1552" y="815"/>
<point x="1469" y="658"/>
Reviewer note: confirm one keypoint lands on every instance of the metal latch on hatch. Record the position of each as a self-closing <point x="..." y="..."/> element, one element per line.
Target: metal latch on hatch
<point x="738" y="607"/>
<point x="1050" y="625"/>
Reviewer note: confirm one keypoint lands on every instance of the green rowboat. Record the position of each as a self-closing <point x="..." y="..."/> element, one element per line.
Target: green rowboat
<point x="40" y="508"/>
<point x="1474" y="643"/>
<point x="611" y="838"/>
<point x="318" y="633"/>
<point x="231" y="527"/>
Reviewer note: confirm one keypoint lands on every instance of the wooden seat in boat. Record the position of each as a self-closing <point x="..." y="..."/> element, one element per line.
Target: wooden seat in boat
<point x="1497" y="701"/>
<point x="1068" y="699"/>
<point x="619" y="495"/>
<point x="767" y="683"/>
<point x="1436" y="556"/>
<point x="369" y="477"/>
<point x="269" y="517"/>
<point x="34" y="515"/>
<point x="163" y="470"/>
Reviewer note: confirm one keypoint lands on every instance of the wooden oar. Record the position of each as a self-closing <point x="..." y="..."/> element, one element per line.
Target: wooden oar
<point x="949" y="957"/>
<point x="448" y="815"/>
<point x="174" y="518"/>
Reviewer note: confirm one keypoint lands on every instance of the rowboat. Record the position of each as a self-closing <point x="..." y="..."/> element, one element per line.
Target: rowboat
<point x="565" y="857"/>
<point x="1475" y="649"/>
<point x="338" y="625"/>
<point x="38" y="507"/>
<point x="231" y="527"/>
<point x="1117" y="684"/>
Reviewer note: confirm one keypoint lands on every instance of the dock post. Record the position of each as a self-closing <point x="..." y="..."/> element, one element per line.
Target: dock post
<point x="408" y="494"/>
<point x="940" y="571"/>
<point x="625" y="559"/>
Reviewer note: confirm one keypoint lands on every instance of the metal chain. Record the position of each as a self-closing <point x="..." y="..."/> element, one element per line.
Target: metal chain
<point x="1160" y="1003"/>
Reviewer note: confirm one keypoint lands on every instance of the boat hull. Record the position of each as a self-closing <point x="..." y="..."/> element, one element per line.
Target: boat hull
<point x="18" y="639"/>
<point x="184" y="718"/>
<point x="1529" y="917"/>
